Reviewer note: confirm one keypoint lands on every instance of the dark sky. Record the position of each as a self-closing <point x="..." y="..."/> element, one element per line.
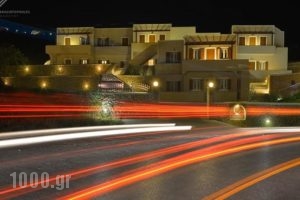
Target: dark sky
<point x="210" y="16"/>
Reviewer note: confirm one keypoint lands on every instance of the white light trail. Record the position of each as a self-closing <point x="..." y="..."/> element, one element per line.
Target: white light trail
<point x="7" y="135"/>
<point x="81" y="135"/>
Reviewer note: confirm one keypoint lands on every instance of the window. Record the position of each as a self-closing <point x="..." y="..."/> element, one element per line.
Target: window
<point x="196" y="54"/>
<point x="224" y="53"/>
<point x="142" y="38"/>
<point x="173" y="86"/>
<point x="252" y="40"/>
<point x="262" y="65"/>
<point x="263" y="41"/>
<point x="103" y="61"/>
<point x="210" y="53"/>
<point x="224" y="84"/>
<point x="162" y="37"/>
<point x="101" y="42"/>
<point x="84" y="40"/>
<point x="106" y="42"/>
<point x="242" y="41"/>
<point x="83" y="61"/>
<point x="68" y="61"/>
<point x="173" y="57"/>
<point x="252" y="65"/>
<point x="196" y="84"/>
<point x="67" y="41"/>
<point x="125" y="42"/>
<point x="151" y="38"/>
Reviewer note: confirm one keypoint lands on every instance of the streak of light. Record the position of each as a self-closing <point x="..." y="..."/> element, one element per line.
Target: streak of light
<point x="168" y="165"/>
<point x="78" y="129"/>
<point x="80" y="135"/>
<point x="157" y="153"/>
<point x="251" y="180"/>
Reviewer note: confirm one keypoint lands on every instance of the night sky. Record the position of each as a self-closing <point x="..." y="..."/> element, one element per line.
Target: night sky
<point x="211" y="16"/>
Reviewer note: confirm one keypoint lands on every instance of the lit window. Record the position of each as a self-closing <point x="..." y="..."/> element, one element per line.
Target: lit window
<point x="67" y="41"/>
<point x="224" y="53"/>
<point x="151" y="62"/>
<point x="262" y="65"/>
<point x="83" y="61"/>
<point x="103" y="62"/>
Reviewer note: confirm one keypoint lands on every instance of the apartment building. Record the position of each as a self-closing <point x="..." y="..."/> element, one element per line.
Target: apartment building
<point x="179" y="60"/>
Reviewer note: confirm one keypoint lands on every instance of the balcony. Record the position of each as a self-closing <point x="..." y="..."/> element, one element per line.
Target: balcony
<point x="256" y="49"/>
<point x="69" y="49"/>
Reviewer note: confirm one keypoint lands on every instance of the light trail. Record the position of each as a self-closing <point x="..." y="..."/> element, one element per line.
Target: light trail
<point x="154" y="154"/>
<point x="167" y="165"/>
<point x="251" y="180"/>
<point x="77" y="129"/>
<point x="80" y="135"/>
<point x="129" y="110"/>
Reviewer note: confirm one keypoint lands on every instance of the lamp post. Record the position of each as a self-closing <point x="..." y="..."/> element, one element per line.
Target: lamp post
<point x="155" y="85"/>
<point x="210" y="85"/>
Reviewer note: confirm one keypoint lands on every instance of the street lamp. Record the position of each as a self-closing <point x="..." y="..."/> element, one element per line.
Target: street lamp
<point x="155" y="85"/>
<point x="210" y="85"/>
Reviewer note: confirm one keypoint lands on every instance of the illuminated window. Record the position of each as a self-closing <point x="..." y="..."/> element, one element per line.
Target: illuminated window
<point x="125" y="41"/>
<point x="252" y="64"/>
<point x="262" y="65"/>
<point x="83" y="61"/>
<point x="263" y="41"/>
<point x="210" y="53"/>
<point x="173" y="86"/>
<point x="252" y="40"/>
<point x="103" y="61"/>
<point x="173" y="57"/>
<point x="196" y="84"/>
<point x="224" y="53"/>
<point x="152" y="38"/>
<point x="162" y="37"/>
<point x="224" y="84"/>
<point x="242" y="41"/>
<point x="196" y="54"/>
<point x="142" y="38"/>
<point x="68" y="61"/>
<point x="67" y="41"/>
<point x="151" y="62"/>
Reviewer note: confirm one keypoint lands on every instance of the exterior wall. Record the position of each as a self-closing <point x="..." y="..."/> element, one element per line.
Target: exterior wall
<point x="115" y="35"/>
<point x="279" y="37"/>
<point x="69" y="83"/>
<point x="177" y="33"/>
<point x="169" y="46"/>
<point x="277" y="57"/>
<point x="113" y="54"/>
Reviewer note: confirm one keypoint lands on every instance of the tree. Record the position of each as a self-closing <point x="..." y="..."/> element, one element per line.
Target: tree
<point x="10" y="55"/>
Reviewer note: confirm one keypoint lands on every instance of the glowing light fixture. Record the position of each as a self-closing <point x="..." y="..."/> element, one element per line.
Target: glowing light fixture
<point x="155" y="83"/>
<point x="44" y="84"/>
<point x="86" y="86"/>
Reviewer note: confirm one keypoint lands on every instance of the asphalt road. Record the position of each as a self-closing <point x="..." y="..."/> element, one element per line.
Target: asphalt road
<point x="173" y="165"/>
